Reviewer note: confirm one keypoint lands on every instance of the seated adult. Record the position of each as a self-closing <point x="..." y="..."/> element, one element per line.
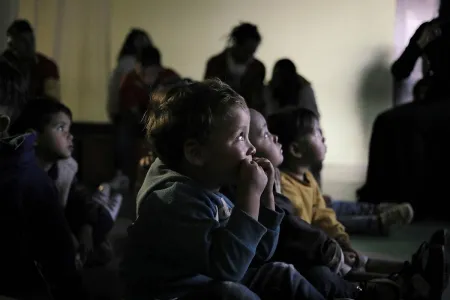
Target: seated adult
<point x="237" y="66"/>
<point x="401" y="164"/>
<point x="40" y="71"/>
<point x="288" y="89"/>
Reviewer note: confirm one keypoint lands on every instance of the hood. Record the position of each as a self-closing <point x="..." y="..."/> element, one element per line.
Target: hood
<point x="15" y="145"/>
<point x="159" y="178"/>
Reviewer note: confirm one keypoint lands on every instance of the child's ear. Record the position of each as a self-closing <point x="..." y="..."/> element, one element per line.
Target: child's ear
<point x="5" y="121"/>
<point x="295" y="150"/>
<point x="193" y="152"/>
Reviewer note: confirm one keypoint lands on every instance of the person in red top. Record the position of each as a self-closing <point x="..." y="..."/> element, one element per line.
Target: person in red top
<point x="41" y="72"/>
<point x="134" y="95"/>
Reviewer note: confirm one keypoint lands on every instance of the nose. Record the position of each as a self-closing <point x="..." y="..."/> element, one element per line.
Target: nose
<point x="251" y="149"/>
<point x="275" y="138"/>
<point x="70" y="137"/>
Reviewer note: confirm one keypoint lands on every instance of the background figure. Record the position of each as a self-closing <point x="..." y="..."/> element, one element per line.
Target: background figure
<point x="289" y="89"/>
<point x="134" y="42"/>
<point x="126" y="60"/>
<point x="238" y="67"/>
<point x="40" y="72"/>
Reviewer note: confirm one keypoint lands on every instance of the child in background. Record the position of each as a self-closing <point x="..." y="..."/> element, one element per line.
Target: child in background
<point x="300" y="134"/>
<point x="91" y="217"/>
<point x="189" y="240"/>
<point x="37" y="257"/>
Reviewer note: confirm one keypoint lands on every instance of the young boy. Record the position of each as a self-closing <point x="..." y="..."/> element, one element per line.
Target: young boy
<point x="37" y="257"/>
<point x="303" y="145"/>
<point x="188" y="238"/>
<point x="90" y="217"/>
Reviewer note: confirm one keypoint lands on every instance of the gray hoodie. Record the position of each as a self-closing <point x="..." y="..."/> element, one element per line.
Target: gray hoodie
<point x="185" y="236"/>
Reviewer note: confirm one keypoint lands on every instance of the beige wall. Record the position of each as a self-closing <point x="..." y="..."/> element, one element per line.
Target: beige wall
<point x="333" y="43"/>
<point x="343" y="47"/>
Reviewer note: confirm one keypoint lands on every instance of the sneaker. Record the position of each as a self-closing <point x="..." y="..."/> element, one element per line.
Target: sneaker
<point x="110" y="202"/>
<point x="423" y="277"/>
<point x="383" y="288"/>
<point x="442" y="237"/>
<point x="395" y="216"/>
<point x="383" y="206"/>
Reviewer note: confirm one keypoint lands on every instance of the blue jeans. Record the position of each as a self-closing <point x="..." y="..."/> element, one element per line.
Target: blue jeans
<point x="357" y="217"/>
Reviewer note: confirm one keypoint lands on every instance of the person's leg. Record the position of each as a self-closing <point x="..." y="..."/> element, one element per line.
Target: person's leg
<point x="279" y="280"/>
<point x="329" y="284"/>
<point x="222" y="290"/>
<point x="349" y="208"/>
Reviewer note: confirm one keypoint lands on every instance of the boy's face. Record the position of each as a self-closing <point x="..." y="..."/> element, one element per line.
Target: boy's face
<point x="266" y="144"/>
<point x="226" y="148"/>
<point x="55" y="141"/>
<point x="312" y="147"/>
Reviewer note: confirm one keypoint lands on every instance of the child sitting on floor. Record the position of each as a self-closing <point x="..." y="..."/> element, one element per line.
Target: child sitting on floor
<point x="90" y="217"/>
<point x="303" y="145"/>
<point x="188" y="237"/>
<point x="37" y="258"/>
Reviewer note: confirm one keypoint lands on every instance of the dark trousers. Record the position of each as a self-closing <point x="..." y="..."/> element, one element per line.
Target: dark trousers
<point x="280" y="281"/>
<point x="329" y="284"/>
<point x="273" y="281"/>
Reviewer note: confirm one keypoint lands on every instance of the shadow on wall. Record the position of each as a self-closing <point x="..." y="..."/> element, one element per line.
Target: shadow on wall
<point x="374" y="90"/>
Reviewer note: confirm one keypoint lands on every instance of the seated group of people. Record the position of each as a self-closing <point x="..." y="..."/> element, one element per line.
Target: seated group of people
<point x="228" y="209"/>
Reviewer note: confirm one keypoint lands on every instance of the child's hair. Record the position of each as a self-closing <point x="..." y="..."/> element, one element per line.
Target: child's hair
<point x="13" y="88"/>
<point x="149" y="56"/>
<point x="18" y="27"/>
<point x="129" y="46"/>
<point x="38" y="113"/>
<point x="186" y="111"/>
<point x="292" y="124"/>
<point x="244" y="32"/>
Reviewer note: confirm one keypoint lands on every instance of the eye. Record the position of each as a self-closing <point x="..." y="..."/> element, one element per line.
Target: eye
<point x="266" y="135"/>
<point x="60" y="128"/>
<point x="241" y="137"/>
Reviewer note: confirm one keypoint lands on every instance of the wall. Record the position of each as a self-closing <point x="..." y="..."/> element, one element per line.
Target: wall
<point x="344" y="48"/>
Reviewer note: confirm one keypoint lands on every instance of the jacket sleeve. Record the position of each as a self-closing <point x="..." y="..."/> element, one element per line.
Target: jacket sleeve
<point x="188" y="234"/>
<point x="271" y="220"/>
<point x="404" y="65"/>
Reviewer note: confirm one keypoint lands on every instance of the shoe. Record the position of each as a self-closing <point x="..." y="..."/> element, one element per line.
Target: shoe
<point x="395" y="216"/>
<point x="383" y="206"/>
<point x="442" y="237"/>
<point x="423" y="278"/>
<point x="110" y="202"/>
<point x="385" y="289"/>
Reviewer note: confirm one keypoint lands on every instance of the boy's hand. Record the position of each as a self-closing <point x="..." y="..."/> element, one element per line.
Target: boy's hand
<point x="251" y="184"/>
<point x="351" y="258"/>
<point x="430" y="33"/>
<point x="267" y="197"/>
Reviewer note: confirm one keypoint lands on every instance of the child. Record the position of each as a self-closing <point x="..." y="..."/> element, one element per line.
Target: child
<point x="303" y="145"/>
<point x="188" y="238"/>
<point x="90" y="217"/>
<point x="37" y="254"/>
